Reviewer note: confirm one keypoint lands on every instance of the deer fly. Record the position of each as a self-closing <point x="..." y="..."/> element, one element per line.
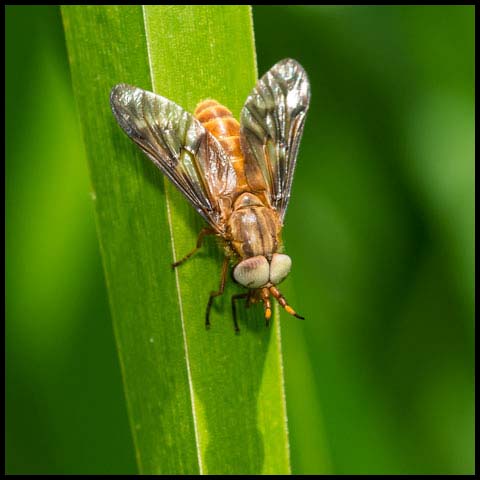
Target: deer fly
<point x="238" y="176"/>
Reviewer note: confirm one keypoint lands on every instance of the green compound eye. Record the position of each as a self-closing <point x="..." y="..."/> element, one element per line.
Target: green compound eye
<point x="252" y="272"/>
<point x="279" y="267"/>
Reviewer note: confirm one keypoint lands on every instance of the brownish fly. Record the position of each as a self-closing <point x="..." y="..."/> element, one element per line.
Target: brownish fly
<point x="238" y="176"/>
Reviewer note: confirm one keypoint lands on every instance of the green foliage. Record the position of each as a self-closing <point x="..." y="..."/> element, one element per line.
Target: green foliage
<point x="199" y="401"/>
<point x="380" y="376"/>
<point x="65" y="409"/>
<point x="385" y="262"/>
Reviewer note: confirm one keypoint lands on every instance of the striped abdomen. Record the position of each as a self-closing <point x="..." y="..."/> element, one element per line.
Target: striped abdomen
<point x="219" y="121"/>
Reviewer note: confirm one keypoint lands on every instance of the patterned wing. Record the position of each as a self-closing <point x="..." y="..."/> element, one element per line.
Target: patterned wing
<point x="272" y="122"/>
<point x="179" y="145"/>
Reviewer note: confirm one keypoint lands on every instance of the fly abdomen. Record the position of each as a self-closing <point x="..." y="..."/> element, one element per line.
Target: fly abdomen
<point x="219" y="121"/>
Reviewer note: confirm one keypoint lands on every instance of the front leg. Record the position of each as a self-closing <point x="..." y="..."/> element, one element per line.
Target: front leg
<point x="236" y="297"/>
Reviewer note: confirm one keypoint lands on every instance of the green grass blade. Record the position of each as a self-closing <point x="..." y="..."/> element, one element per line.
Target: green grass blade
<point x="199" y="402"/>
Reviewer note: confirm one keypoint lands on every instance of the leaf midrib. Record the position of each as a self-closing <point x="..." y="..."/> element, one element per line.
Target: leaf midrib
<point x="177" y="279"/>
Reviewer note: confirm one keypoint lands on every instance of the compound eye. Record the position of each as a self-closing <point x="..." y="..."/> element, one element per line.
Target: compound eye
<point x="279" y="267"/>
<point x="252" y="272"/>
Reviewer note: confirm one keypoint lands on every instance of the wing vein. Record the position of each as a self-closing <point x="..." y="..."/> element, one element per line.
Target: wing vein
<point x="271" y="127"/>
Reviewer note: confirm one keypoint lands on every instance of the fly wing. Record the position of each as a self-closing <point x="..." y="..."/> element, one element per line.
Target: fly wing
<point x="180" y="146"/>
<point x="272" y="122"/>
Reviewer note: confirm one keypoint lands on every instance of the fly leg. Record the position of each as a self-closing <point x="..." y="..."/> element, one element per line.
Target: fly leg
<point x="203" y="232"/>
<point x="217" y="293"/>
<point x="250" y="298"/>
<point x="281" y="300"/>
<point x="265" y="295"/>
<point x="238" y="296"/>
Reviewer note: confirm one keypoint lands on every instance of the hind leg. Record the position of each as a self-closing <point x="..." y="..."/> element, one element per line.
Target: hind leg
<point x="218" y="292"/>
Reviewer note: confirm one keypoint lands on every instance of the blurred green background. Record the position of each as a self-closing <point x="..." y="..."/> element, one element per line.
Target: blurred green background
<point x="380" y="227"/>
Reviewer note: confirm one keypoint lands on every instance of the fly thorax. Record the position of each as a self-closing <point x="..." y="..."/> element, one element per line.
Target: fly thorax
<point x="247" y="200"/>
<point x="252" y="227"/>
<point x="256" y="272"/>
<point x="253" y="231"/>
